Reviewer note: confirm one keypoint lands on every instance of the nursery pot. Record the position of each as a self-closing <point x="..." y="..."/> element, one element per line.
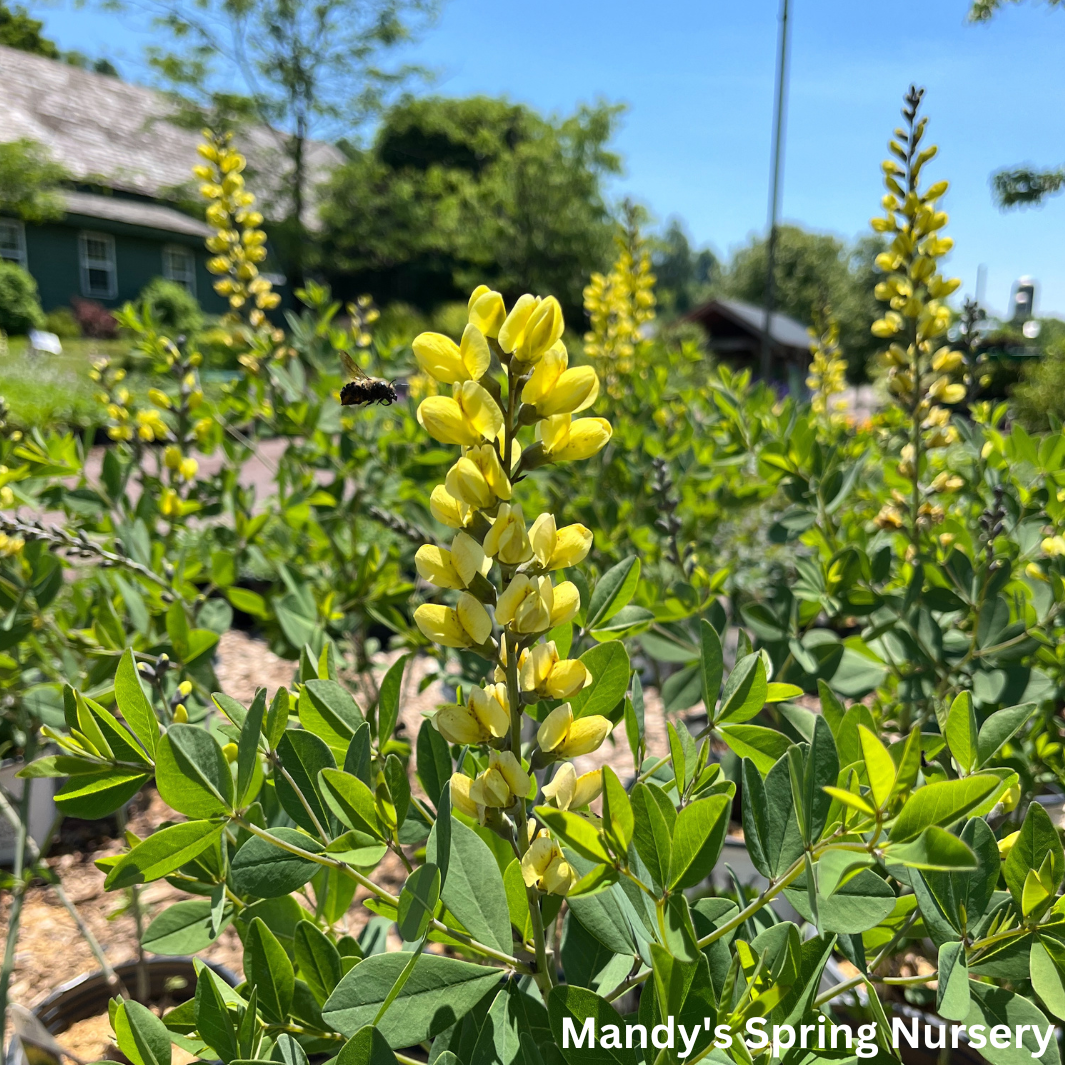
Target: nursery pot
<point x="88" y="996"/>
<point x="42" y="812"/>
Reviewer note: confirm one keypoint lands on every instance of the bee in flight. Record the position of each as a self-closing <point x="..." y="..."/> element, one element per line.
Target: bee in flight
<point x="362" y="388"/>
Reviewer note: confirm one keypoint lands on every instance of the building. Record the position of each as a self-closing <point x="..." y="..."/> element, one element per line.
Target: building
<point x="121" y="227"/>
<point x="735" y="330"/>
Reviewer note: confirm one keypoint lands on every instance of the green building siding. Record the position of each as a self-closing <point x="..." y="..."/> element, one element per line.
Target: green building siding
<point x="54" y="259"/>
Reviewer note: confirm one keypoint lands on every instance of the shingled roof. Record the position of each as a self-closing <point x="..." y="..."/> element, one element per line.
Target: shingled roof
<point x="106" y="130"/>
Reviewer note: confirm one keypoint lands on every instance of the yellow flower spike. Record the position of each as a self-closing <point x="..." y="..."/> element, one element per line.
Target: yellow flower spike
<point x="487" y="310"/>
<point x="566" y="440"/>
<point x="435" y="565"/>
<point x="467" y="625"/>
<point x="574" y="391"/>
<point x="567" y="601"/>
<point x="460" y="796"/>
<point x="468" y="559"/>
<point x="451" y="363"/>
<point x="507" y="540"/>
<point x="526" y="605"/>
<point x="554" y="727"/>
<point x="538" y="859"/>
<point x="448" y="510"/>
<point x="512" y="330"/>
<point x="477" y="479"/>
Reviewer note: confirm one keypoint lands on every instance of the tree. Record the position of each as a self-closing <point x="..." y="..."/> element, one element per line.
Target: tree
<point x="18" y="30"/>
<point x="29" y="181"/>
<point x="815" y="272"/>
<point x="309" y="68"/>
<point x="458" y="192"/>
<point x="684" y="275"/>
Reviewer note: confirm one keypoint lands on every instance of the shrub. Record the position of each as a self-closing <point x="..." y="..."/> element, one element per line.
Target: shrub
<point x="174" y="308"/>
<point x="20" y="310"/>
<point x="62" y="322"/>
<point x="94" y="319"/>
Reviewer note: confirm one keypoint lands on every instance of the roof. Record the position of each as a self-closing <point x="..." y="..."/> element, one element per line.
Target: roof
<point x="783" y="329"/>
<point x="134" y="213"/>
<point x="99" y="127"/>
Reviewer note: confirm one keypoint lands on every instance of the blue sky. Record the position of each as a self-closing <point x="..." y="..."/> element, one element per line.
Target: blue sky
<point x="697" y="79"/>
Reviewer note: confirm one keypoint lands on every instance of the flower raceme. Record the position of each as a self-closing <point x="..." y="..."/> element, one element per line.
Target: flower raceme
<point x="483" y="417"/>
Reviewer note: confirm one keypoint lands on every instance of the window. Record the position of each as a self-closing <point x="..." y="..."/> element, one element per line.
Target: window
<point x="12" y="242"/>
<point x="179" y="265"/>
<point x="99" y="270"/>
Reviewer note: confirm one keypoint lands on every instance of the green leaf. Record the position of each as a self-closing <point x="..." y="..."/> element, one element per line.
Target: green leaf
<point x="434" y="760"/>
<point x="698" y="838"/>
<point x="778" y="693"/>
<point x="303" y="756"/>
<point x="613" y="591"/>
<point x="177" y="628"/>
<point x="952" y="994"/>
<point x="267" y="968"/>
<point x="131" y="700"/>
<point x="473" y="890"/>
<point x="996" y="1006"/>
<point x="213" y="1022"/>
<point x="836" y="867"/>
<point x="366" y="1047"/>
<point x="999" y="727"/>
<point x="329" y="712"/>
<point x="879" y="767"/>
<point x="163" y="852"/>
<point x="318" y="960"/>
<point x="609" y="666"/>
<point x="575" y="831"/>
<point x="935" y="848"/>
<point x="577" y="1005"/>
<point x="264" y="870"/>
<point x="711" y="664"/>
<point x="1038" y="841"/>
<point x="770" y="826"/>
<point x="678" y="932"/>
<point x="248" y="746"/>
<point x="388" y="702"/>
<point x="184" y="927"/>
<point x="277" y="718"/>
<point x="745" y="691"/>
<point x="618" y="820"/>
<point x="961" y="732"/>
<point x="821" y="770"/>
<point x="1047" y="980"/>
<point x="439" y="992"/>
<point x="359" y="755"/>
<point x="651" y="833"/>
<point x="860" y="904"/>
<point x="398" y="787"/>
<point x="94" y="795"/>
<point x="968" y="892"/>
<point x="350" y="800"/>
<point x="940" y="803"/>
<point x="763" y="746"/>
<point x="417" y="902"/>
<point x="141" y="1036"/>
<point x="192" y="773"/>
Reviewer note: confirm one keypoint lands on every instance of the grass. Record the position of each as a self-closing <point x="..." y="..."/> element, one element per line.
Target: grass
<point x="53" y="391"/>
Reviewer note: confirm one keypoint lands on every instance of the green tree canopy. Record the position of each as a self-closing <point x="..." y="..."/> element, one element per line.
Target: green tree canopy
<point x="19" y="30"/>
<point x="815" y="271"/>
<point x="454" y="192"/>
<point x="683" y="274"/>
<point x="29" y="181"/>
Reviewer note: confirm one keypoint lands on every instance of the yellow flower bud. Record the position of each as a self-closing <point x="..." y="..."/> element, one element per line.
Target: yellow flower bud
<point x="507" y="540"/>
<point x="477" y="479"/>
<point x="526" y="605"/>
<point x="947" y="361"/>
<point x="543" y="672"/>
<point x="567" y="790"/>
<point x="465" y="625"/>
<point x="230" y="752"/>
<point x="468" y="559"/>
<point x="543" y="329"/>
<point x="585" y="735"/>
<point x="512" y="330"/>
<point x="434" y="564"/>
<point x="188" y="469"/>
<point x="567" y="601"/>
<point x="467" y="419"/>
<point x="559" y="548"/>
<point x="460" y="795"/>
<point x="1053" y="546"/>
<point x="172" y="457"/>
<point x="1005" y="845"/>
<point x="484" y="717"/>
<point x="181" y="715"/>
<point x="566" y="440"/>
<point x="159" y="398"/>
<point x="447" y="362"/>
<point x="448" y="510"/>
<point x="487" y="310"/>
<point x="545" y="377"/>
<point x="559" y="877"/>
<point x="544" y="867"/>
<point x="502" y="782"/>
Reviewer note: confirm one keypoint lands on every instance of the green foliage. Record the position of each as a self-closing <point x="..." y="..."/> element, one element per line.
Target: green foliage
<point x="172" y="306"/>
<point x="18" y="30"/>
<point x="20" y="310"/>
<point x="455" y="193"/>
<point x="62" y="322"/>
<point x="29" y="181"/>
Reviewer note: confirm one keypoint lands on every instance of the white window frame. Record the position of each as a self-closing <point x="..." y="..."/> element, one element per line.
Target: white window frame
<point x="187" y="280"/>
<point x="13" y="225"/>
<point x="87" y="264"/>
